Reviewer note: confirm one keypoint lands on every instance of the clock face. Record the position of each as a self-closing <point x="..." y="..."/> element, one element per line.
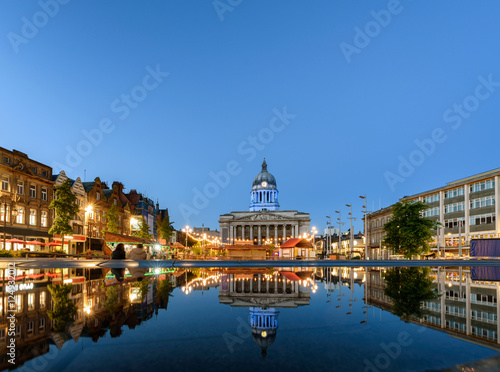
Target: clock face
<point x="264" y="184"/>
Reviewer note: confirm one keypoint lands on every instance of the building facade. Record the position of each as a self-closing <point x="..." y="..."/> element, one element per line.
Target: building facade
<point x="466" y="209"/>
<point x="25" y="196"/>
<point x="264" y="223"/>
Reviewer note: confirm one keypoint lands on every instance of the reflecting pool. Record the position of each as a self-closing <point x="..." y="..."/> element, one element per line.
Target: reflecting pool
<point x="243" y="319"/>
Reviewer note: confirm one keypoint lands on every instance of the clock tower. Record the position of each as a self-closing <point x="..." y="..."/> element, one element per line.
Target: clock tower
<point x="264" y="194"/>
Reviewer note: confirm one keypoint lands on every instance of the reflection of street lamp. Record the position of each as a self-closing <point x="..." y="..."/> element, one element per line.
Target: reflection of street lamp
<point x="340" y="229"/>
<point x="88" y="211"/>
<point x="329" y="236"/>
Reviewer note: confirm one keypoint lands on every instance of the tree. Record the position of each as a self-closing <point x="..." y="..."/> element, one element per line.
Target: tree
<point x="407" y="232"/>
<point x="407" y="288"/>
<point x="66" y="209"/>
<point x="112" y="219"/>
<point x="165" y="228"/>
<point x="143" y="231"/>
<point x="64" y="309"/>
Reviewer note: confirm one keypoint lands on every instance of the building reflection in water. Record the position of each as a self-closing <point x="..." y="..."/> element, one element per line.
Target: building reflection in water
<point x="103" y="304"/>
<point x="467" y="305"/>
<point x="264" y="291"/>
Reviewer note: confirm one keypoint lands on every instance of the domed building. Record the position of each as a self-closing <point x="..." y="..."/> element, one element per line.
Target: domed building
<point x="264" y="194"/>
<point x="264" y="223"/>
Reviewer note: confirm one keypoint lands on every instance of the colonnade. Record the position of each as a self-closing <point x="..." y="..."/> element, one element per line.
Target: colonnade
<point x="260" y="233"/>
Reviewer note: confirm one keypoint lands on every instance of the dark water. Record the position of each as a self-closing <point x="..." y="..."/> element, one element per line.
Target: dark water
<point x="294" y="319"/>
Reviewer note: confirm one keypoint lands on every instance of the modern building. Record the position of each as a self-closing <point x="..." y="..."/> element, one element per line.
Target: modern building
<point x="264" y="222"/>
<point x="25" y="196"/>
<point x="466" y="209"/>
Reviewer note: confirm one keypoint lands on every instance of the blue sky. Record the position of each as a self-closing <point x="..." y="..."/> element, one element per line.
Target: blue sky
<point x="343" y="98"/>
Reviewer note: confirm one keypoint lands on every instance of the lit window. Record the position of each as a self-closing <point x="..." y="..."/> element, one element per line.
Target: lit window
<point x="5" y="184"/>
<point x="20" y="215"/>
<point x="42" y="298"/>
<point x="98" y="196"/>
<point x="20" y="187"/>
<point x="31" y="301"/>
<point x="32" y="217"/>
<point x="19" y="303"/>
<point x="4" y="212"/>
<point x="44" y="219"/>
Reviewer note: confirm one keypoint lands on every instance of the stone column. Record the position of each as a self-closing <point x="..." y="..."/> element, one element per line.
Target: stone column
<point x="468" y="312"/>
<point x="267" y="232"/>
<point x="467" y="211"/>
<point x="275" y="234"/>
<point x="251" y="233"/>
<point x="231" y="236"/>
<point x="259" y="237"/>
<point x="284" y="233"/>
<point x="259" y="283"/>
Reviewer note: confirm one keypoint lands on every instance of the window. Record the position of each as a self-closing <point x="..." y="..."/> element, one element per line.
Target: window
<point x="45" y="174"/>
<point x="31" y="301"/>
<point x="31" y="326"/>
<point x="484" y="185"/>
<point x="33" y="169"/>
<point x="4" y="213"/>
<point x="114" y="202"/>
<point x="20" y="187"/>
<point x="6" y="159"/>
<point x="482" y="202"/>
<point x="18" y="330"/>
<point x="459" y="191"/>
<point x="455" y="207"/>
<point x="98" y="196"/>
<point x="20" y="215"/>
<point x="32" y="217"/>
<point x="431" y="212"/>
<point x="3" y="333"/>
<point x="44" y="194"/>
<point x="482" y="219"/>
<point x="18" y="303"/>
<point x="431" y="198"/>
<point x="5" y="183"/>
<point x="32" y="191"/>
<point x="454" y="222"/>
<point x="43" y="297"/>
<point x="44" y="219"/>
<point x="41" y="324"/>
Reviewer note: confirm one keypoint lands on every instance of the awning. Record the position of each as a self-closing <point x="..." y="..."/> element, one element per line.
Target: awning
<point x="34" y="242"/>
<point x="118" y="238"/>
<point x="15" y="241"/>
<point x="290" y="276"/>
<point x="66" y="238"/>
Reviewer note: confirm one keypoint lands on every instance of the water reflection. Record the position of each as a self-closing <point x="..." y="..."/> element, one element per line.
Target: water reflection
<point x="60" y="307"/>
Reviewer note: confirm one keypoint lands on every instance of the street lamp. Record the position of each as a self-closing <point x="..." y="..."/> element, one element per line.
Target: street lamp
<point x="88" y="211"/>
<point x="366" y="228"/>
<point x="340" y="229"/>
<point x="351" y="242"/>
<point x="329" y="238"/>
<point x="187" y="230"/>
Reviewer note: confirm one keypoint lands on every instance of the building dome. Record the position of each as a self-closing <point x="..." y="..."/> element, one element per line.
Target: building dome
<point x="264" y="180"/>
<point x="264" y="194"/>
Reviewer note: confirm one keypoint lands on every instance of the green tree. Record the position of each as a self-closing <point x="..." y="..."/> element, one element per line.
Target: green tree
<point x="407" y="232"/>
<point x="111" y="303"/>
<point x="66" y="209"/>
<point x="112" y="219"/>
<point x="165" y="228"/>
<point x="164" y="291"/>
<point x="407" y="288"/>
<point x="64" y="309"/>
<point x="143" y="231"/>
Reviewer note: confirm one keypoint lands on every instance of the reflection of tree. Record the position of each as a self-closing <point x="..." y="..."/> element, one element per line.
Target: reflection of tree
<point x="407" y="288"/>
<point x="111" y="304"/>
<point x="164" y="291"/>
<point x="64" y="309"/>
<point x="143" y="287"/>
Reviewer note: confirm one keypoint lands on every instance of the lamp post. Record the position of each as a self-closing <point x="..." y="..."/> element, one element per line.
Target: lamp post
<point x="329" y="236"/>
<point x="366" y="228"/>
<point x="340" y="229"/>
<point x="187" y="230"/>
<point x="351" y="242"/>
<point x="88" y="211"/>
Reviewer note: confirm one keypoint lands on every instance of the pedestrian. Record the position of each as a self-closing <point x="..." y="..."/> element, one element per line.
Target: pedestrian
<point x="138" y="253"/>
<point x="118" y="254"/>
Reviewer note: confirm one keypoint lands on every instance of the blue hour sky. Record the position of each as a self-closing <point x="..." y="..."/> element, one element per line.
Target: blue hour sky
<point x="181" y="100"/>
